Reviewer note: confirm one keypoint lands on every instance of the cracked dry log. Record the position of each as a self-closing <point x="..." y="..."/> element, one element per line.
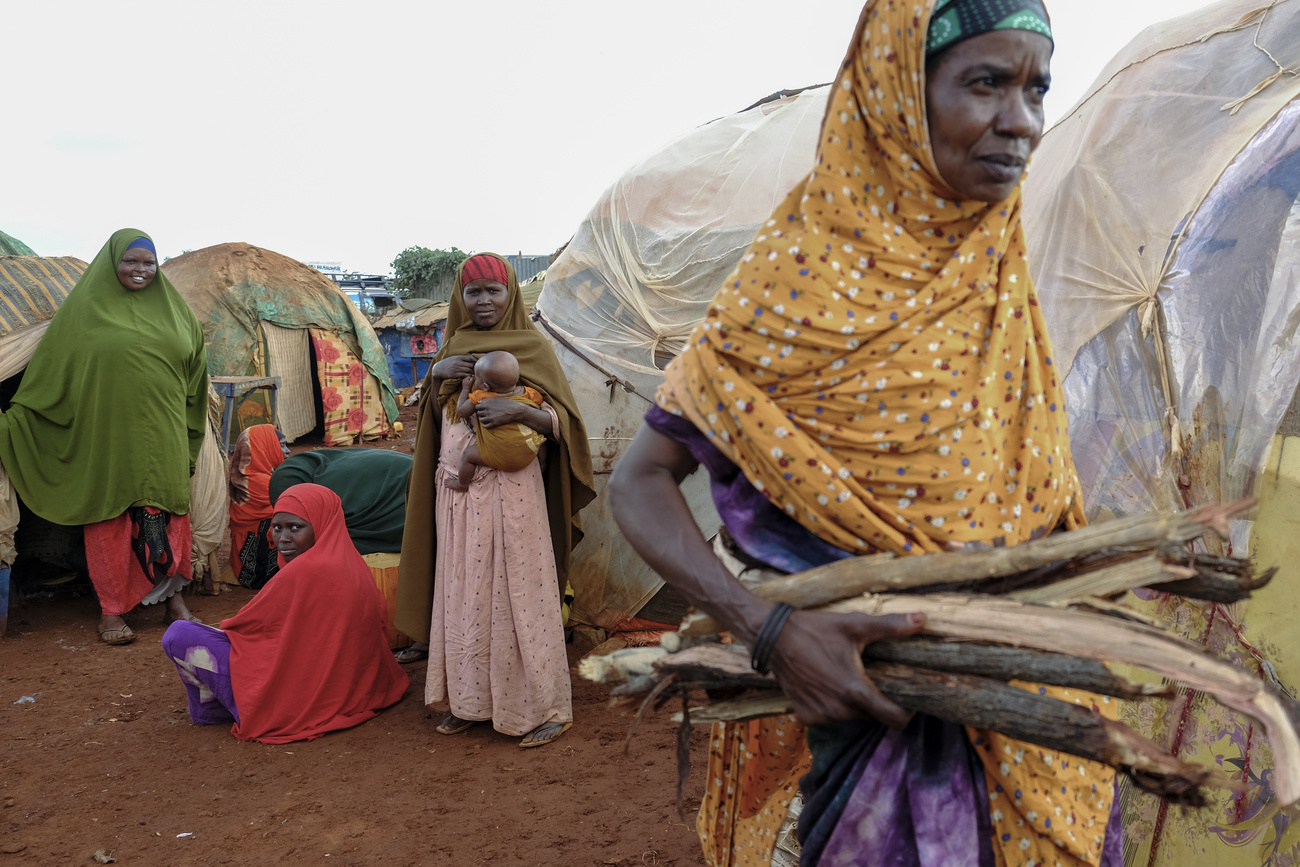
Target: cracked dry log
<point x="1097" y="636"/>
<point x="1214" y="586"/>
<point x="857" y="575"/>
<point x="722" y="666"/>
<point x="992" y="705"/>
<point x="1107" y="581"/>
<point x="1013" y="663"/>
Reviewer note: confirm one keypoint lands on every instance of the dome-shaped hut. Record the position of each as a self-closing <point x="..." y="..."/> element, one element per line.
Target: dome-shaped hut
<point x="264" y="314"/>
<point x="623" y="296"/>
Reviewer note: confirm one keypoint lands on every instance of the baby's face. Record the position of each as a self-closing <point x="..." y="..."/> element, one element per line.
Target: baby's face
<point x="480" y="382"/>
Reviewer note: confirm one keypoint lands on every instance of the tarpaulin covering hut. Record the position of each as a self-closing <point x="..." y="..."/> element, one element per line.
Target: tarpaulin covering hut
<point x="31" y="291"/>
<point x="1163" y="224"/>
<point x="268" y="315"/>
<point x="11" y="246"/>
<point x="622" y="298"/>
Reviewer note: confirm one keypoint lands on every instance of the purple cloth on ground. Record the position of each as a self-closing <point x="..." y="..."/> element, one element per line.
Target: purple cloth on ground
<point x="202" y="657"/>
<point x="873" y="796"/>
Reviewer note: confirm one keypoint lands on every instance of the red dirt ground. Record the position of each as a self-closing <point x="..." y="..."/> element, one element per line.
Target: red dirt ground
<point x="106" y="758"/>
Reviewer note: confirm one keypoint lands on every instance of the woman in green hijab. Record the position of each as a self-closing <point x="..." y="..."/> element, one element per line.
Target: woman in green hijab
<point x="107" y="424"/>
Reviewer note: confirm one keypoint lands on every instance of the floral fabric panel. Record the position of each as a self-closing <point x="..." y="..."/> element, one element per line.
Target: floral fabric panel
<point x="350" y="396"/>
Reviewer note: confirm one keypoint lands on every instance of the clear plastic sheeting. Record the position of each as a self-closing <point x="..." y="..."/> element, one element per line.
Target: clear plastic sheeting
<point x="1114" y="182"/>
<point x="1163" y="221"/>
<point x="634" y="281"/>
<point x="1229" y="309"/>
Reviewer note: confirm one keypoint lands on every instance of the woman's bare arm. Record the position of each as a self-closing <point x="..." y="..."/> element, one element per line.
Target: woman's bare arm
<point x="818" y="657"/>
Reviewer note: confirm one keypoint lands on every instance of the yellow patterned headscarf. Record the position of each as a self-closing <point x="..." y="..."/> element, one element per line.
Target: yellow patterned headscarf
<point x="877" y="364"/>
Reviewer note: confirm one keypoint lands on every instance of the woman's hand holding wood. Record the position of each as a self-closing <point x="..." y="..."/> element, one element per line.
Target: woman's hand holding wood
<point x="818" y="662"/>
<point x="817" y="658"/>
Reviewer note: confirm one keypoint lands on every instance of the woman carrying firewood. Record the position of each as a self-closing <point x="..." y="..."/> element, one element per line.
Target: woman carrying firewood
<point x="875" y="376"/>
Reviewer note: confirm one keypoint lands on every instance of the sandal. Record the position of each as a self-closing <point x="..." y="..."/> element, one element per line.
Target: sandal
<point x="556" y="728"/>
<point x="412" y="653"/>
<point x="118" y="635"/>
<point x="454" y="725"/>
<point x="169" y="619"/>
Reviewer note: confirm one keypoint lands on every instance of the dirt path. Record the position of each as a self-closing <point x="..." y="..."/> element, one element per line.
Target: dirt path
<point x="106" y="758"/>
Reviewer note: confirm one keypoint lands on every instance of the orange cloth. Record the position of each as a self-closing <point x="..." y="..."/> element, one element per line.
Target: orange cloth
<point x="309" y="654"/>
<point x="510" y="447"/>
<point x="878" y="365"/>
<point x="753" y="775"/>
<point x="480" y="394"/>
<point x="256" y="454"/>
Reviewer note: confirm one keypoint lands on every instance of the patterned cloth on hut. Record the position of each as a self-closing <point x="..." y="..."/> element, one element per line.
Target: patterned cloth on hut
<point x="878" y="368"/>
<point x="350" y="394"/>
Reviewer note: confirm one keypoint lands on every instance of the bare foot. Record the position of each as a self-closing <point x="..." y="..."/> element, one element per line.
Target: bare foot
<point x="177" y="610"/>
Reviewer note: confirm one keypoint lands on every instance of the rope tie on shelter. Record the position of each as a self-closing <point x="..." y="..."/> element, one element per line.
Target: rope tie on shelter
<point x="1235" y="106"/>
<point x="612" y="380"/>
<point x="1152" y="326"/>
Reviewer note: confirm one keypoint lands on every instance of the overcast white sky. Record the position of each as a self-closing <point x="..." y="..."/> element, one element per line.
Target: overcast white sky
<point x="350" y="131"/>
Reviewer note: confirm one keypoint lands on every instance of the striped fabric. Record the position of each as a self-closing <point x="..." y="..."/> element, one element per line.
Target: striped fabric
<point x="32" y="288"/>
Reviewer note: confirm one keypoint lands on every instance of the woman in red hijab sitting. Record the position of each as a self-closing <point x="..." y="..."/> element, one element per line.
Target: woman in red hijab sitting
<point x="310" y="653"/>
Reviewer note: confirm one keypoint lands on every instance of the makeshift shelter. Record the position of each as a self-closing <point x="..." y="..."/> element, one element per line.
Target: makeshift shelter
<point x="411" y="333"/>
<point x="31" y="291"/>
<point x="622" y="298"/>
<point x="264" y="314"/>
<point x="1163" y="223"/>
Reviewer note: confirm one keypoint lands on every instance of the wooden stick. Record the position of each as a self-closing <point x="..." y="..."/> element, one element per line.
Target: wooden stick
<point x="1082" y="633"/>
<point x="846" y="578"/>
<point x="1214" y="586"/>
<point x="1107" y="581"/>
<point x="988" y="704"/>
<point x="1003" y="663"/>
<point x="727" y="666"/>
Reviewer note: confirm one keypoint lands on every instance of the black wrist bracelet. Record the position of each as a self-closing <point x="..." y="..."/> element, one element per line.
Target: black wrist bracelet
<point x="765" y="641"/>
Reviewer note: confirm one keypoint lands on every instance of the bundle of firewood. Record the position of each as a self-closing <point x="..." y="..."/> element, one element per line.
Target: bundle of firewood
<point x="1044" y="612"/>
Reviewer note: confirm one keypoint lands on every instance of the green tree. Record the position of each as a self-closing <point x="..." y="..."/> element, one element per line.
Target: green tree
<point x="423" y="273"/>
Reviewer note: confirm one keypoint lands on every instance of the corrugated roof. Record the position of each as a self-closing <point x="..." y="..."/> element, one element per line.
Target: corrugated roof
<point x="32" y="288"/>
<point x="404" y="319"/>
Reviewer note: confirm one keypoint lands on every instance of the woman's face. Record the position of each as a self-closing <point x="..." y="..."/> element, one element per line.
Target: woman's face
<point x="137" y="269"/>
<point x="291" y="535"/>
<point x="984" y="103"/>
<point x="485" y="299"/>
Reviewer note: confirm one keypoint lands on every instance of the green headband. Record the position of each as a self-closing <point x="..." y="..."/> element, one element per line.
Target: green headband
<point x="955" y="20"/>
